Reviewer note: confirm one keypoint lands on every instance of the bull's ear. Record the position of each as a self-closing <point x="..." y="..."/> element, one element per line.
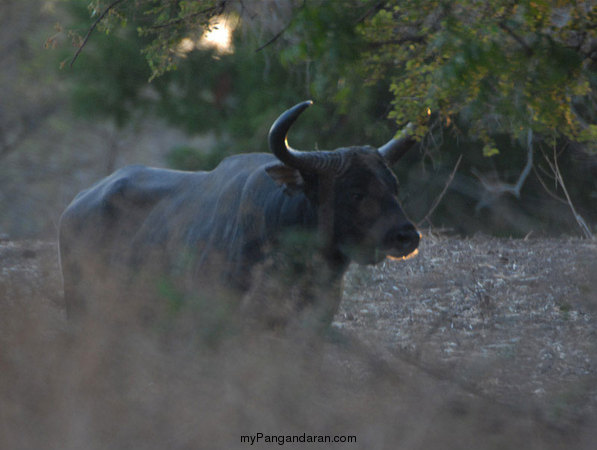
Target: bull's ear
<point x="286" y="176"/>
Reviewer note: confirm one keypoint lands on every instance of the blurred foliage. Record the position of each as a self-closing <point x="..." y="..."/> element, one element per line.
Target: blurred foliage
<point x="503" y="66"/>
<point x="238" y="95"/>
<point x="110" y="80"/>
<point x="184" y="157"/>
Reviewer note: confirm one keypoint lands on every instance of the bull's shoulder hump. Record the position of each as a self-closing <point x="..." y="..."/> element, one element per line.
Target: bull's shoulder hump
<point x="245" y="161"/>
<point x="138" y="185"/>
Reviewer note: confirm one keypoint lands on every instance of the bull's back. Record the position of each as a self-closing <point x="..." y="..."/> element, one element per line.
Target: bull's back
<point x="134" y="195"/>
<point x="118" y="204"/>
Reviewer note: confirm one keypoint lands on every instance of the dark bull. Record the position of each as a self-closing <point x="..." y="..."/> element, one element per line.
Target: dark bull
<point x="198" y="230"/>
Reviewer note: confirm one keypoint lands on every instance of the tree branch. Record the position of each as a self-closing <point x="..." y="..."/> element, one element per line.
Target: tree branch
<point x="414" y="39"/>
<point x="209" y="12"/>
<point x="514" y="189"/>
<point x="275" y="38"/>
<point x="517" y="38"/>
<point x="90" y="31"/>
<point x="581" y="222"/>
<point x="279" y="33"/>
<point x="443" y="192"/>
<point x="371" y="11"/>
<point x="544" y="185"/>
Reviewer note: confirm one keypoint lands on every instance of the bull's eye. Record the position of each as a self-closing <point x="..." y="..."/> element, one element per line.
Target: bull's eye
<point x="356" y="196"/>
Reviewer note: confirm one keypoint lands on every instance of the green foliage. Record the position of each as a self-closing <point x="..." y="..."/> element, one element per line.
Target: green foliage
<point x="323" y="35"/>
<point x="589" y="137"/>
<point x="234" y="96"/>
<point x="490" y="150"/>
<point x="163" y="24"/>
<point x="501" y="66"/>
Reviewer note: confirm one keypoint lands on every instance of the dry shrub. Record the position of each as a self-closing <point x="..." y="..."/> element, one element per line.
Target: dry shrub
<point x="112" y="384"/>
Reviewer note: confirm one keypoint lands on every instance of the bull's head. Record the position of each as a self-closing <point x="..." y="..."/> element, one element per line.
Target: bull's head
<point x="354" y="190"/>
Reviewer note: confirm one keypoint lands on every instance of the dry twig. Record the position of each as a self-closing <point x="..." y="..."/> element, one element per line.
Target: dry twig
<point x="586" y="231"/>
<point x="500" y="188"/>
<point x="443" y="192"/>
<point x="91" y="30"/>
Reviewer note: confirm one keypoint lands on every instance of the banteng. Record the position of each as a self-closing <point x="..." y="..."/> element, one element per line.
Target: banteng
<point x="208" y="233"/>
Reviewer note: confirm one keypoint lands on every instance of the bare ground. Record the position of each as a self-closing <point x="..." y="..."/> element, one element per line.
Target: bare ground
<point x="474" y="343"/>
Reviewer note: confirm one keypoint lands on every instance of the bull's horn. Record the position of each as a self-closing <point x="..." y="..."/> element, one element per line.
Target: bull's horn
<point x="278" y="144"/>
<point x="396" y="148"/>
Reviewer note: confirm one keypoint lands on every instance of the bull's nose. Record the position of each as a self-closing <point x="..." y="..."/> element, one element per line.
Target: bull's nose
<point x="405" y="237"/>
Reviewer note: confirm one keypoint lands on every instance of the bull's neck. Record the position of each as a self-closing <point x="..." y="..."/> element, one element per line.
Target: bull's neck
<point x="325" y="225"/>
<point x="325" y="212"/>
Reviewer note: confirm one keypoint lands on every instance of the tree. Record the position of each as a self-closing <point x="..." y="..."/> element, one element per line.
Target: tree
<point x="524" y="69"/>
<point x="235" y="95"/>
<point x="505" y="66"/>
<point x="511" y="81"/>
<point x="530" y="62"/>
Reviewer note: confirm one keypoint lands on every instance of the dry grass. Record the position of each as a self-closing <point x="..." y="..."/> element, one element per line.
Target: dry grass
<point x="480" y="343"/>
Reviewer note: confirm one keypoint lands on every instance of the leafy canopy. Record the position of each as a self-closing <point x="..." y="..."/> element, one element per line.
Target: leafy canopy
<point x="501" y="67"/>
<point x="312" y="54"/>
<point x="504" y="66"/>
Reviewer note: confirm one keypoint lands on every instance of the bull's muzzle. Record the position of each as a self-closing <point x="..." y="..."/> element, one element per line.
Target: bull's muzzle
<point x="402" y="240"/>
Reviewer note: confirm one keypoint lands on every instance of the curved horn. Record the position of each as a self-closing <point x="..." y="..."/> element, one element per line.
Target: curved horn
<point x="396" y="148"/>
<point x="278" y="143"/>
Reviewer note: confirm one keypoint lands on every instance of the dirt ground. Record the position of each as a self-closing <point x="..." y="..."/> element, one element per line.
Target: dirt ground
<point x="473" y="343"/>
<point x="511" y="320"/>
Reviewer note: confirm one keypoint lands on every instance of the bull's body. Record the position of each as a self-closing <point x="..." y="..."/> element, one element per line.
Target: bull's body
<point x="140" y="215"/>
<point x="200" y="230"/>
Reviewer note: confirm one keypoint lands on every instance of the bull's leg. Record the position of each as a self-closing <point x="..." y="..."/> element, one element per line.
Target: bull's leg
<point x="319" y="303"/>
<point x="78" y="277"/>
<point x="72" y="280"/>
